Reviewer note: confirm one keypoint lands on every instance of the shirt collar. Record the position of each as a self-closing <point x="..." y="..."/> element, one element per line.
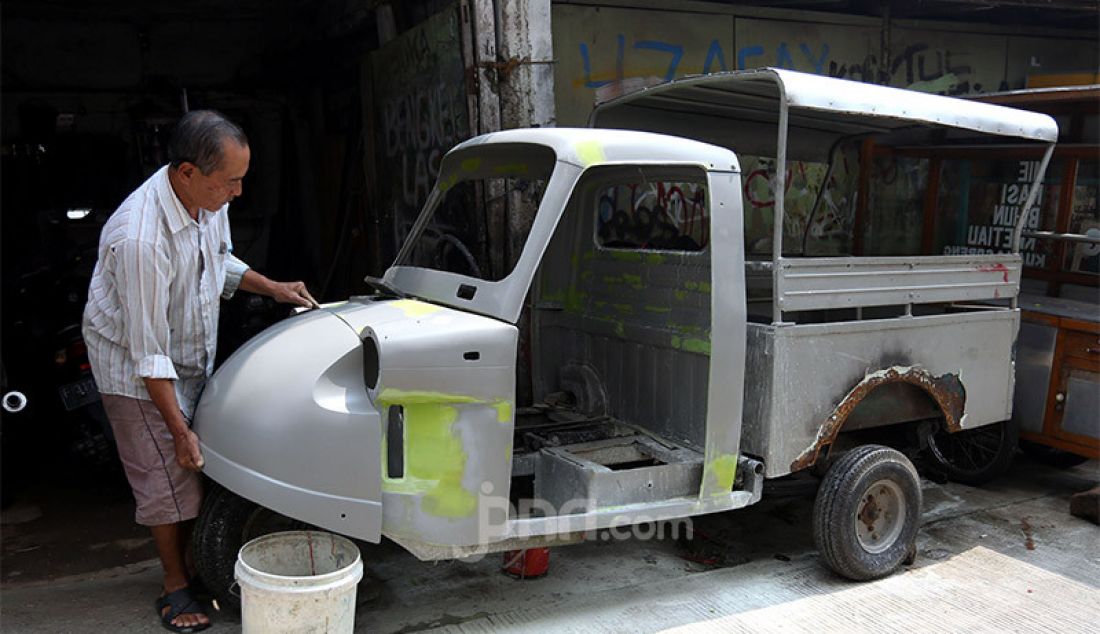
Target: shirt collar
<point x="174" y="211"/>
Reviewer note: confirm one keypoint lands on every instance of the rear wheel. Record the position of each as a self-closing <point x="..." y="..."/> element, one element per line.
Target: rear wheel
<point x="226" y="522"/>
<point x="867" y="513"/>
<point x="974" y="456"/>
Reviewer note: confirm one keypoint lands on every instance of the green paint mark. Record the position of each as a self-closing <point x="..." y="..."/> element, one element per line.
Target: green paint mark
<point x="471" y="164"/>
<point x="691" y="344"/>
<point x="700" y="346"/>
<point x="612" y="279"/>
<point x="720" y="473"/>
<point x="939" y="85"/>
<point x="623" y="308"/>
<point x="680" y="295"/>
<point x="619" y="329"/>
<point x="574" y="301"/>
<point x="626" y="256"/>
<point x="589" y="152"/>
<point x="587" y="275"/>
<point x="635" y="281"/>
<point x="514" y="168"/>
<point x="702" y="287"/>
<point x="504" y="411"/>
<point x="654" y="258"/>
<point x="658" y="309"/>
<point x="414" y="308"/>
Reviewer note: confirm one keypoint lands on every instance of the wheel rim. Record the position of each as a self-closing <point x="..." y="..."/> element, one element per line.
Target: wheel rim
<point x="880" y="516"/>
<point x="970" y="451"/>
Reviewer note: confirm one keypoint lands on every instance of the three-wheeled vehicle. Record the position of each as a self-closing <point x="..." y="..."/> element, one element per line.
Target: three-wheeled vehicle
<point x="675" y="369"/>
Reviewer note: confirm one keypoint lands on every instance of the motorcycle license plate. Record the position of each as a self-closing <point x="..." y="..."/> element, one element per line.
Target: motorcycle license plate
<point x="79" y="393"/>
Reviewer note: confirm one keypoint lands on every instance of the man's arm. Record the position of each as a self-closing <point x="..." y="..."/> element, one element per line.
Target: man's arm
<point x="285" y="292"/>
<point x="163" y="394"/>
<point x="142" y="280"/>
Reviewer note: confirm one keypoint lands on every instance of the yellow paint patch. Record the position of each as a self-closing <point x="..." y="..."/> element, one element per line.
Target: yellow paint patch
<point x="719" y="474"/>
<point x="471" y="164"/>
<point x="435" y="460"/>
<point x="589" y="152"/>
<point x="415" y="308"/>
<point x="504" y="411"/>
<point x="448" y="182"/>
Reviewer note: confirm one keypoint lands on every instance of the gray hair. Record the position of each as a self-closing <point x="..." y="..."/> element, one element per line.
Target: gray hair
<point x="198" y="139"/>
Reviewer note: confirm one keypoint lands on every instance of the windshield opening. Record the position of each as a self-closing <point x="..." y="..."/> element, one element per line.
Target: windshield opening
<point x="464" y="229"/>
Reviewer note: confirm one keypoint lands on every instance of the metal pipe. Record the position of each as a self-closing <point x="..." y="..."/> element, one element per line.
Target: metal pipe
<point x="1067" y="237"/>
<point x="1031" y="196"/>
<point x="780" y="189"/>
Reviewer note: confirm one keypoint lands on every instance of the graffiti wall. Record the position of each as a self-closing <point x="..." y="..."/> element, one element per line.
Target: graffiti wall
<point x="599" y="47"/>
<point x="825" y="231"/>
<point x="420" y="112"/>
<point x="604" y="51"/>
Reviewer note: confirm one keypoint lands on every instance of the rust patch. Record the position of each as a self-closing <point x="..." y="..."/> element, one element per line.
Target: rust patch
<point x="1029" y="539"/>
<point x="947" y="391"/>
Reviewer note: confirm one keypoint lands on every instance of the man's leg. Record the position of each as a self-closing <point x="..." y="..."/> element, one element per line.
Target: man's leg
<point x="172" y="547"/>
<point x="168" y="497"/>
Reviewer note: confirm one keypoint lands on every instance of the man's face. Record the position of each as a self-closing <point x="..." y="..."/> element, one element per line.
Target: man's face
<point x="211" y="191"/>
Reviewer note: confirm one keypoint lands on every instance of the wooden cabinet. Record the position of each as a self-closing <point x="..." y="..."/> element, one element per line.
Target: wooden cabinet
<point x="1071" y="407"/>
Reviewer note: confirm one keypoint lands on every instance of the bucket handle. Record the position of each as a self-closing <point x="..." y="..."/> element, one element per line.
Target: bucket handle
<point x="235" y="589"/>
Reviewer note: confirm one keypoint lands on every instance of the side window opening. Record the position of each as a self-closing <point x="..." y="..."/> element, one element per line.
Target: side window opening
<point x="653" y="210"/>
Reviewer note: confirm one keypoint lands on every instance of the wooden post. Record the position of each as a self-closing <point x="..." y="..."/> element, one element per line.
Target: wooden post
<point x="866" y="163"/>
<point x="931" y="206"/>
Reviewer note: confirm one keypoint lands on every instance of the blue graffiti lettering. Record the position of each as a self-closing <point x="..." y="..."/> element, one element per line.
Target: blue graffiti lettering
<point x="783" y="57"/>
<point x="715" y="52"/>
<point x="818" y="62"/>
<point x="675" y="50"/>
<point x="588" y="81"/>
<point x="747" y="52"/>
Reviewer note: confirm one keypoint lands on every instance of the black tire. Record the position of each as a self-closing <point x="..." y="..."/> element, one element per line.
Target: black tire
<point x="869" y="490"/>
<point x="226" y="522"/>
<point x="974" y="456"/>
<point x="1050" y="456"/>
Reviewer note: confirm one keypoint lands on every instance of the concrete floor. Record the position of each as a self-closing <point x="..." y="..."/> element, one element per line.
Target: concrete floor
<point x="749" y="570"/>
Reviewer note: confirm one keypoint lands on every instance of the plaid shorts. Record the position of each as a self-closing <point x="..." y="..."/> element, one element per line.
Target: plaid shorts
<point x="165" y="492"/>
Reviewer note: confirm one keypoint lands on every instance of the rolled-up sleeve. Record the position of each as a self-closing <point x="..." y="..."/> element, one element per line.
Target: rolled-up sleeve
<point x="142" y="278"/>
<point x="234" y="271"/>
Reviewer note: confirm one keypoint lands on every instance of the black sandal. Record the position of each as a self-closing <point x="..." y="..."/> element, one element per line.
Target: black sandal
<point x="179" y="602"/>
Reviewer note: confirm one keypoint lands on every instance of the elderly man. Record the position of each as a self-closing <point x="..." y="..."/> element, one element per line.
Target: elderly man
<point x="151" y="323"/>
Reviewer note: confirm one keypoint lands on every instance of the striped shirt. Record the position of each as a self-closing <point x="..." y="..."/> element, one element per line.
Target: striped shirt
<point x="153" y="302"/>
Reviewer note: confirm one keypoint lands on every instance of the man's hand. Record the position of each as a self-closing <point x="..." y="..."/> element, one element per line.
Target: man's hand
<point x="293" y="293"/>
<point x="188" y="453"/>
<point x="283" y="292"/>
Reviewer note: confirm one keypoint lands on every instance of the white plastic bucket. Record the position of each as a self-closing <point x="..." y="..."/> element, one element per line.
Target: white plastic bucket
<point x="298" y="581"/>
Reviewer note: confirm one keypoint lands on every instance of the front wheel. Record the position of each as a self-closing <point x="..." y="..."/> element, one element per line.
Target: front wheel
<point x="226" y="522"/>
<point x="867" y="513"/>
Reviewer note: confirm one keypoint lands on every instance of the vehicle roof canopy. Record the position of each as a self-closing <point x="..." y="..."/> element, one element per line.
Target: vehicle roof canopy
<point x="714" y="108"/>
<point x="584" y="147"/>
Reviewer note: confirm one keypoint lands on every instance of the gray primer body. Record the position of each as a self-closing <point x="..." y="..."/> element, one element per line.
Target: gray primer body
<point x="290" y="423"/>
